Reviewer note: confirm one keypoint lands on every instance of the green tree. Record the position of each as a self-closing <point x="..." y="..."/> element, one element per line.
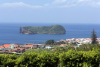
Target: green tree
<point x="59" y="43"/>
<point x="50" y="42"/>
<point x="94" y="37"/>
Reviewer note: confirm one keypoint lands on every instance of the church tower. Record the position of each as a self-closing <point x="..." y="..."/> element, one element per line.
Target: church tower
<point x="20" y="30"/>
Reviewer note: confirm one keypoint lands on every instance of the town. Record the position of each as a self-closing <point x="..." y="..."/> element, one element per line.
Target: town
<point x="14" y="48"/>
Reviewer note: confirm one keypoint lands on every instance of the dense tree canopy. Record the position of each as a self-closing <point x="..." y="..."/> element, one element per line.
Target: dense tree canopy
<point x="49" y="42"/>
<point x="59" y="43"/>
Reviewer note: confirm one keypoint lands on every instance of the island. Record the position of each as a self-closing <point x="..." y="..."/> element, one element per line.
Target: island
<point x="54" y="29"/>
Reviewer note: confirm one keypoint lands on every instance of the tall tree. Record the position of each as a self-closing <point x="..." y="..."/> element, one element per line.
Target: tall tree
<point x="94" y="37"/>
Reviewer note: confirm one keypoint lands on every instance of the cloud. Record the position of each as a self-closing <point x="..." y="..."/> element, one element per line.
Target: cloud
<point x="80" y="0"/>
<point x="95" y="4"/>
<point x="47" y="4"/>
<point x="18" y="4"/>
<point x="59" y="1"/>
<point x="72" y="3"/>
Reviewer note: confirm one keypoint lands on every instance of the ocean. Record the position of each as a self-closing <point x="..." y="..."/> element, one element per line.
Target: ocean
<point x="9" y="33"/>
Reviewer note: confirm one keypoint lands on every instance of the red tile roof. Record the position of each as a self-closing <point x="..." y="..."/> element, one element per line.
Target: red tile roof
<point x="6" y="45"/>
<point x="1" y="47"/>
<point x="15" y="45"/>
<point x="28" y="45"/>
<point x="63" y="45"/>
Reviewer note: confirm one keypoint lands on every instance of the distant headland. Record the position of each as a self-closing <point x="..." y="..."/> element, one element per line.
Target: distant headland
<point x="54" y="29"/>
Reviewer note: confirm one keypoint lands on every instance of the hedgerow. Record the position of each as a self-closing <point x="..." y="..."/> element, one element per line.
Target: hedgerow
<point x="72" y="58"/>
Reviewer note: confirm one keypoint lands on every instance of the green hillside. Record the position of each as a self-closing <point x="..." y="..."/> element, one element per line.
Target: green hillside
<point x="55" y="29"/>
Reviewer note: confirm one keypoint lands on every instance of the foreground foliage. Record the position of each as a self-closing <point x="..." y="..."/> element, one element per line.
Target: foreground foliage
<point x="72" y="58"/>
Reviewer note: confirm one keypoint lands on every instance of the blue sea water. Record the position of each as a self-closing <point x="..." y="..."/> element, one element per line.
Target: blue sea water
<point x="9" y="33"/>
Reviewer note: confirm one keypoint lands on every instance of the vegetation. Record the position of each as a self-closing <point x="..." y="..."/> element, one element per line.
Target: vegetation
<point x="71" y="58"/>
<point x="49" y="42"/>
<point x="55" y="29"/>
<point x="94" y="37"/>
<point x="38" y="50"/>
<point x="59" y="43"/>
<point x="52" y="42"/>
<point x="84" y="47"/>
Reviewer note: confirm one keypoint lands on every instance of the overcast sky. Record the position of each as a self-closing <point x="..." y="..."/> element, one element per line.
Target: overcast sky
<point x="50" y="11"/>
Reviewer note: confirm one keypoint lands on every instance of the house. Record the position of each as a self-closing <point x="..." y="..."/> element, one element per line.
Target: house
<point x="41" y="47"/>
<point x="8" y="46"/>
<point x="28" y="46"/>
<point x="10" y="51"/>
<point x="36" y="46"/>
<point x="63" y="45"/>
<point x="79" y="45"/>
<point x="6" y="51"/>
<point x="19" y="50"/>
<point x="1" y="48"/>
<point x="16" y="46"/>
<point x="47" y="47"/>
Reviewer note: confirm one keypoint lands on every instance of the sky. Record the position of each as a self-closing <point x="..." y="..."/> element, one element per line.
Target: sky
<point x="50" y="11"/>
